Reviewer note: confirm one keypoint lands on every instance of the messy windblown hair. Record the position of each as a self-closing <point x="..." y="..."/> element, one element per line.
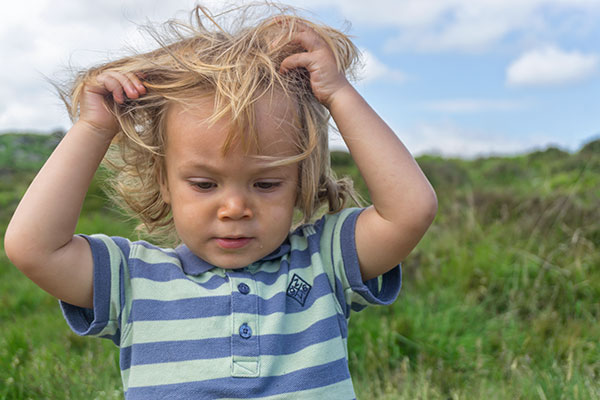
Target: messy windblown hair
<point x="236" y="59"/>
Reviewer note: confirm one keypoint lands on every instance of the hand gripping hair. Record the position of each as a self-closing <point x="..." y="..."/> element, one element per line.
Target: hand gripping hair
<point x="235" y="58"/>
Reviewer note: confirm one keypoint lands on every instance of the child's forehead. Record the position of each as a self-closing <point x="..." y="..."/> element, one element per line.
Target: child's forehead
<point x="274" y="123"/>
<point x="276" y="107"/>
<point x="273" y="104"/>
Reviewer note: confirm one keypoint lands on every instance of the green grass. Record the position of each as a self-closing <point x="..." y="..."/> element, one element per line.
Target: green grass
<point x="40" y="358"/>
<point x="501" y="299"/>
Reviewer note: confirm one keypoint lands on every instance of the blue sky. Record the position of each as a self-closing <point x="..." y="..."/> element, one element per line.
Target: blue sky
<point x="456" y="77"/>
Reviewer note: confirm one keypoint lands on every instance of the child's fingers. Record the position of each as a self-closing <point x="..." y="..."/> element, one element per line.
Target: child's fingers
<point x="121" y="85"/>
<point x="311" y="43"/>
<point x="130" y="83"/>
<point x="295" y="61"/>
<point x="136" y="80"/>
<point x="308" y="39"/>
<point x="302" y="33"/>
<point x="110" y="84"/>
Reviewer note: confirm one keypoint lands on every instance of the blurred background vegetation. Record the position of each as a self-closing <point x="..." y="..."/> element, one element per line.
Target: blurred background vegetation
<point x="501" y="299"/>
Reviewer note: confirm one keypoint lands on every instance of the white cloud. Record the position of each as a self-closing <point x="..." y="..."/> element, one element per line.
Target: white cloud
<point x="465" y="26"/>
<point x="374" y="69"/>
<point x="462" y="25"/>
<point x="43" y="38"/>
<point x="550" y="66"/>
<point x="474" y="105"/>
<point x="450" y="140"/>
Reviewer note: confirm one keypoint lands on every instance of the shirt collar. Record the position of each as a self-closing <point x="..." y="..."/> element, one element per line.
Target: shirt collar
<point x="194" y="265"/>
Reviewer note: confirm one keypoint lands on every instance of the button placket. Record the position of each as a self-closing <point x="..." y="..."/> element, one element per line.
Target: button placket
<point x="244" y="317"/>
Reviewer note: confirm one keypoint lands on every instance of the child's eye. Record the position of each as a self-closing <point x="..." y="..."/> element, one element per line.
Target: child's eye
<point x="204" y="185"/>
<point x="267" y="185"/>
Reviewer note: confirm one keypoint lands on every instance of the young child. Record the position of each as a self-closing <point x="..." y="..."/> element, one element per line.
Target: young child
<point x="215" y="139"/>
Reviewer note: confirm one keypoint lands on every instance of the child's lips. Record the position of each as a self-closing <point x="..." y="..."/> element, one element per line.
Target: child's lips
<point x="232" y="243"/>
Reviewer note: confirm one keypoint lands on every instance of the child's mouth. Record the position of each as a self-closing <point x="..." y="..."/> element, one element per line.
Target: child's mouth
<point x="233" y="243"/>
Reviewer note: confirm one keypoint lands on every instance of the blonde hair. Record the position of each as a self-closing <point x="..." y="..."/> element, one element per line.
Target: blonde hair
<point x="238" y="66"/>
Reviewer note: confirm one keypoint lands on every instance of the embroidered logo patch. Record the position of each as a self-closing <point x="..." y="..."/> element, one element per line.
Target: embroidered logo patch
<point x="298" y="289"/>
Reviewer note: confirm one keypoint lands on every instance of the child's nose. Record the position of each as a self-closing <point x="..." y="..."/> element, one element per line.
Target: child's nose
<point x="235" y="206"/>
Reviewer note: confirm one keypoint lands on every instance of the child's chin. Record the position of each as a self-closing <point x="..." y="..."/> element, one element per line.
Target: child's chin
<point x="233" y="262"/>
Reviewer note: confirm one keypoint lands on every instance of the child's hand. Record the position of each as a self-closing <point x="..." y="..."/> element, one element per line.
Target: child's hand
<point x="93" y="110"/>
<point x="318" y="59"/>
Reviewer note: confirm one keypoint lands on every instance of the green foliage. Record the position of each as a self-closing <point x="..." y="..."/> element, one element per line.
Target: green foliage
<point x="25" y="151"/>
<point x="591" y="149"/>
<point x="502" y="297"/>
<point x="343" y="166"/>
<point x="500" y="300"/>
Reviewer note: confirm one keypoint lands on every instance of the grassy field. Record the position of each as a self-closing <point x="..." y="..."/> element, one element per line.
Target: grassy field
<point x="501" y="300"/>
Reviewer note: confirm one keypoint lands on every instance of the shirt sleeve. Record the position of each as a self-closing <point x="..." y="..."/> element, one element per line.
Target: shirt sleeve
<point x="110" y="257"/>
<point x="338" y="249"/>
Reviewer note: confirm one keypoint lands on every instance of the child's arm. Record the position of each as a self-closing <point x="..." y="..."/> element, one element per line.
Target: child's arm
<point x="39" y="239"/>
<point x="404" y="203"/>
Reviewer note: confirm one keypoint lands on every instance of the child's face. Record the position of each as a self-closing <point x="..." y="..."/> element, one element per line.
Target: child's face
<point x="229" y="209"/>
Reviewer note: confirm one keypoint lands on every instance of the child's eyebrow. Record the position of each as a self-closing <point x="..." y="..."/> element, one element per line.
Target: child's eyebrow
<point x="193" y="166"/>
<point x="252" y="168"/>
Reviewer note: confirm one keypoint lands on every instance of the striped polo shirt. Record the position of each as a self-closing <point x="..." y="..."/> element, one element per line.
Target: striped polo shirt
<point x="275" y="329"/>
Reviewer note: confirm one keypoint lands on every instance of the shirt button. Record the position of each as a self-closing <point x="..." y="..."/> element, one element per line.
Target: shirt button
<point x="243" y="288"/>
<point x="245" y="331"/>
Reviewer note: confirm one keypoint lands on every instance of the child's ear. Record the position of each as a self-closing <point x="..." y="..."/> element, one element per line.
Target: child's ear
<point x="164" y="193"/>
<point x="164" y="186"/>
